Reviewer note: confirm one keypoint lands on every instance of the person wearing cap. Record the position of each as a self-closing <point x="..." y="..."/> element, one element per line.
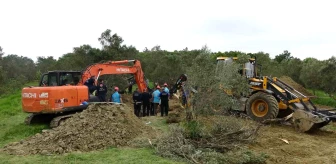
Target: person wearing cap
<point x="156" y="99"/>
<point x="116" y="97"/>
<point x="166" y="88"/>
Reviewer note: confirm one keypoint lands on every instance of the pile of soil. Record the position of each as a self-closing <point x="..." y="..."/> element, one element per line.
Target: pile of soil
<point x="295" y="85"/>
<point x="98" y="127"/>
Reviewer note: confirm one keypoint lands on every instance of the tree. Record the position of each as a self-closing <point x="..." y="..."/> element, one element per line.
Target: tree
<point x="45" y="64"/>
<point x="292" y="68"/>
<point x="265" y="61"/>
<point x="329" y="79"/>
<point x="310" y="73"/>
<point x="1" y="52"/>
<point x="285" y="56"/>
<point x="212" y="86"/>
<point x="113" y="48"/>
<point x="1" y="68"/>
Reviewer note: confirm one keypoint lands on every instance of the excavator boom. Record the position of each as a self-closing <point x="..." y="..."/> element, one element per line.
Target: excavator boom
<point x="115" y="67"/>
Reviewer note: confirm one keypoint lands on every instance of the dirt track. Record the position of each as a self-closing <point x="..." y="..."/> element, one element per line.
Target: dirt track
<point x="302" y="148"/>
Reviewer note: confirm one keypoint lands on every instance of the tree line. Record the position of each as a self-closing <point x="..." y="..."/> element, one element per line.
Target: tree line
<point x="160" y="65"/>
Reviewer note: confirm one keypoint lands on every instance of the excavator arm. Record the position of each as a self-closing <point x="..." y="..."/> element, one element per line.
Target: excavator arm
<point x="116" y="67"/>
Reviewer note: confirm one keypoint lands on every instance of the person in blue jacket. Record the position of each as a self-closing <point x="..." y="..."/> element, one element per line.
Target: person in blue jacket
<point x="156" y="99"/>
<point x="166" y="87"/>
<point x="116" y="97"/>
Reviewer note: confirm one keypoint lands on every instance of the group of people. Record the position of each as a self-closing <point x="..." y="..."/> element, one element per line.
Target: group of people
<point x="149" y="103"/>
<point x="146" y="102"/>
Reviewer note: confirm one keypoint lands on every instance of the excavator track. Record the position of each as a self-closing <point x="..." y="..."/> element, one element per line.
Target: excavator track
<point x="58" y="120"/>
<point x="38" y="118"/>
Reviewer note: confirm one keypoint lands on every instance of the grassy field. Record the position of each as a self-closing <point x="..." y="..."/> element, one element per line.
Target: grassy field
<point x="111" y="155"/>
<point x="13" y="129"/>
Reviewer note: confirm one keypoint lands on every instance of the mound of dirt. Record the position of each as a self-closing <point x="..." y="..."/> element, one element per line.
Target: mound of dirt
<point x="98" y="127"/>
<point x="295" y="85"/>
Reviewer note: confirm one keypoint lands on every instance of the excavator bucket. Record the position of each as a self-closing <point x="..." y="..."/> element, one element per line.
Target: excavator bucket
<point x="307" y="120"/>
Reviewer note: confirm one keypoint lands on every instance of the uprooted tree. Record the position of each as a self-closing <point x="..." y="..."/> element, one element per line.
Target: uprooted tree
<point x="221" y="138"/>
<point x="219" y="86"/>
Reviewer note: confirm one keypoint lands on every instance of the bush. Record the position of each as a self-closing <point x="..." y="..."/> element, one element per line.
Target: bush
<point x="199" y="142"/>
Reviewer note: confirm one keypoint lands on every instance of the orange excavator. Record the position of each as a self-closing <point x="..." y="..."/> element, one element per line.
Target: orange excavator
<point x="61" y="94"/>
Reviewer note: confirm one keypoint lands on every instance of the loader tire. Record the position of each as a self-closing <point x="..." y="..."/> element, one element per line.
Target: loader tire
<point x="262" y="106"/>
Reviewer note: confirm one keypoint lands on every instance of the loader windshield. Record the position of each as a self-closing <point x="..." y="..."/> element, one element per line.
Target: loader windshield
<point x="246" y="69"/>
<point x="249" y="70"/>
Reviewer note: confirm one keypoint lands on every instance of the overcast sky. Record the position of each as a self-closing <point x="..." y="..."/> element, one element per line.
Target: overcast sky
<point x="52" y="28"/>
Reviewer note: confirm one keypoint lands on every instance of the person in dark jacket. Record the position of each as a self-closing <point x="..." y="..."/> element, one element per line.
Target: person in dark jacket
<point x="152" y="113"/>
<point x="146" y="97"/>
<point x="164" y="97"/>
<point x="101" y="91"/>
<point x="137" y="100"/>
<point x="90" y="83"/>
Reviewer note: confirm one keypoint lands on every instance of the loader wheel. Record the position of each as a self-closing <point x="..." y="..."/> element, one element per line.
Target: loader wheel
<point x="262" y="106"/>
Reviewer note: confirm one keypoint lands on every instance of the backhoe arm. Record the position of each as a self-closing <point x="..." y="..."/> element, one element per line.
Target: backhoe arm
<point x="116" y="67"/>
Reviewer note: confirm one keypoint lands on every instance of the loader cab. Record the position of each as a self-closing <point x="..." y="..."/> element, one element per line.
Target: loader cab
<point x="60" y="78"/>
<point x="247" y="69"/>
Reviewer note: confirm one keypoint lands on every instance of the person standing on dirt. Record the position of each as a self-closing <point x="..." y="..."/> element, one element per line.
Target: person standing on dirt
<point x="101" y="91"/>
<point x="137" y="101"/>
<point x="164" y="96"/>
<point x="151" y="102"/>
<point x="116" y="97"/>
<point x="166" y="89"/>
<point x="146" y="97"/>
<point x="156" y="99"/>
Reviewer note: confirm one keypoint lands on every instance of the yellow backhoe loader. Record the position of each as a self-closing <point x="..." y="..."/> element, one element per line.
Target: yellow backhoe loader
<point x="271" y="98"/>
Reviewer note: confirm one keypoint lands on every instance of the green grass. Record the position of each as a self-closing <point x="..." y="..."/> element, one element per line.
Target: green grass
<point x="13" y="129"/>
<point x="111" y="155"/>
<point x="323" y="98"/>
<point x="12" y="120"/>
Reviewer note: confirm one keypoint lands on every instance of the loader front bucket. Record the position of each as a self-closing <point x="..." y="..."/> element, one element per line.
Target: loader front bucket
<point x="306" y="121"/>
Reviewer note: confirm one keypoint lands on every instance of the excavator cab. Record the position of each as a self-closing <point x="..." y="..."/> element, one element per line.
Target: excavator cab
<point x="60" y="78"/>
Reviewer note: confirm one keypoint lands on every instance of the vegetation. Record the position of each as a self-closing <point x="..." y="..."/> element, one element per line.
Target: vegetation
<point x="214" y="139"/>
<point x="323" y="98"/>
<point x="159" y="65"/>
<point x="111" y="155"/>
